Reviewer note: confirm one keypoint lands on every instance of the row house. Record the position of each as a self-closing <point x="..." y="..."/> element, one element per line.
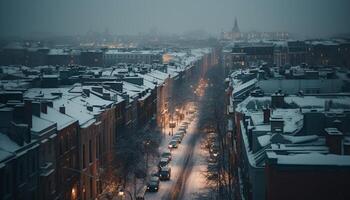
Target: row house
<point x="19" y="154"/>
<point x="74" y="129"/>
<point x="269" y="130"/>
<point x="58" y="134"/>
<point x="95" y="118"/>
<point x="30" y="126"/>
<point x="147" y="97"/>
<point x="67" y="155"/>
<point x="113" y="57"/>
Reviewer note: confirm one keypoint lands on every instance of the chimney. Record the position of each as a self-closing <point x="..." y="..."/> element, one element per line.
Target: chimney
<point x="20" y="133"/>
<point x="36" y="108"/>
<point x="277" y="124"/>
<point x="6" y="116"/>
<point x="62" y="109"/>
<point x="267" y="114"/>
<point x="337" y="124"/>
<point x="97" y="89"/>
<point x="28" y="113"/>
<point x="90" y="108"/>
<point x="334" y="140"/>
<point x="49" y="103"/>
<point x="277" y="100"/>
<point x="44" y="107"/>
<point x="326" y="105"/>
<point x="86" y="92"/>
<point x="250" y="137"/>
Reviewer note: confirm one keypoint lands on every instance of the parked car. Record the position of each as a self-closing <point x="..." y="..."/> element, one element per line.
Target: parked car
<point x="153" y="184"/>
<point x="166" y="154"/>
<point x="180" y="133"/>
<point x="185" y="123"/>
<point x="165" y="173"/>
<point x="177" y="138"/>
<point x="182" y="128"/>
<point x="163" y="162"/>
<point x="172" y="144"/>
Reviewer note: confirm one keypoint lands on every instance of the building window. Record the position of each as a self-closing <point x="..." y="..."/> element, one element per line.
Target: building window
<point x="83" y="156"/>
<point x="7" y="183"/>
<point x="73" y="162"/>
<point x="66" y="143"/>
<point x="90" y="151"/>
<point x="50" y="186"/>
<point x="97" y="146"/>
<point x="50" y="143"/>
<point x="21" y="172"/>
<point x="33" y="163"/>
<point x="61" y="145"/>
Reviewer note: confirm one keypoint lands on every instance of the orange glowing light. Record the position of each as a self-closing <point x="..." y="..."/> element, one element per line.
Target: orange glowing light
<point x="167" y="58"/>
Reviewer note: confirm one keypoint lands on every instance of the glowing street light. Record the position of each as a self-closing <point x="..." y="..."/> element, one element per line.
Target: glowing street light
<point x="121" y="193"/>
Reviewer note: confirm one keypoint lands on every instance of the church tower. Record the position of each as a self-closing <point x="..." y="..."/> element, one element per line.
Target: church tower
<point x="235" y="34"/>
<point x="235" y="28"/>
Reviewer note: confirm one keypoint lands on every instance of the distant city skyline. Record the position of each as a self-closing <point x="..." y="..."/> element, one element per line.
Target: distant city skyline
<point x="315" y="18"/>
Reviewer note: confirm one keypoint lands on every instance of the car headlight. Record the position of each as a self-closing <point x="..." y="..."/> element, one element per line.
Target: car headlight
<point x="156" y="188"/>
<point x="148" y="188"/>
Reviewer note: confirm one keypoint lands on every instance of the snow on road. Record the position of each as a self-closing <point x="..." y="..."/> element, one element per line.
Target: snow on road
<point x="196" y="183"/>
<point x="178" y="160"/>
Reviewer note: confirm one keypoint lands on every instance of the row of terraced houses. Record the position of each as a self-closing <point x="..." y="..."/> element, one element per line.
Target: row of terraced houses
<point x="59" y="124"/>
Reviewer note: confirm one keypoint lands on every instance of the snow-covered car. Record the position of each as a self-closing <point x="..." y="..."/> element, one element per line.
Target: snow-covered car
<point x="163" y="162"/>
<point x="185" y="123"/>
<point x="177" y="138"/>
<point x="167" y="155"/>
<point x="181" y="134"/>
<point x="153" y="184"/>
<point x="172" y="144"/>
<point x="165" y="173"/>
<point x="182" y="128"/>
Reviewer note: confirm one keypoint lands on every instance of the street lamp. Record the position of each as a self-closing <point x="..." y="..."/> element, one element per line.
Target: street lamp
<point x="122" y="192"/>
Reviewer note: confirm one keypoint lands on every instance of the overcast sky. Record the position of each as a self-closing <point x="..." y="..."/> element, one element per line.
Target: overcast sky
<point x="306" y="17"/>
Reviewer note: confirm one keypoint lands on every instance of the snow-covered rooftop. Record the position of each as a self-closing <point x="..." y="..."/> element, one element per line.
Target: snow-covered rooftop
<point x="310" y="159"/>
<point x="76" y="105"/>
<point x="40" y="124"/>
<point x="292" y="118"/>
<point x="55" y="116"/>
<point x="7" y="146"/>
<point x="308" y="102"/>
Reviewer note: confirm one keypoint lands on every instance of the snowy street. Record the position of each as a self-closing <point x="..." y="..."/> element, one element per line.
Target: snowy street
<point x="186" y="165"/>
<point x="188" y="162"/>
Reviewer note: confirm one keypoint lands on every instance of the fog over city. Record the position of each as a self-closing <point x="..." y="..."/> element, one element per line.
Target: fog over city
<point x="314" y="18"/>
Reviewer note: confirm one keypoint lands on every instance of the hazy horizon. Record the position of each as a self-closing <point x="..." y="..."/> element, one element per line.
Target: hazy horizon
<point x="66" y="17"/>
